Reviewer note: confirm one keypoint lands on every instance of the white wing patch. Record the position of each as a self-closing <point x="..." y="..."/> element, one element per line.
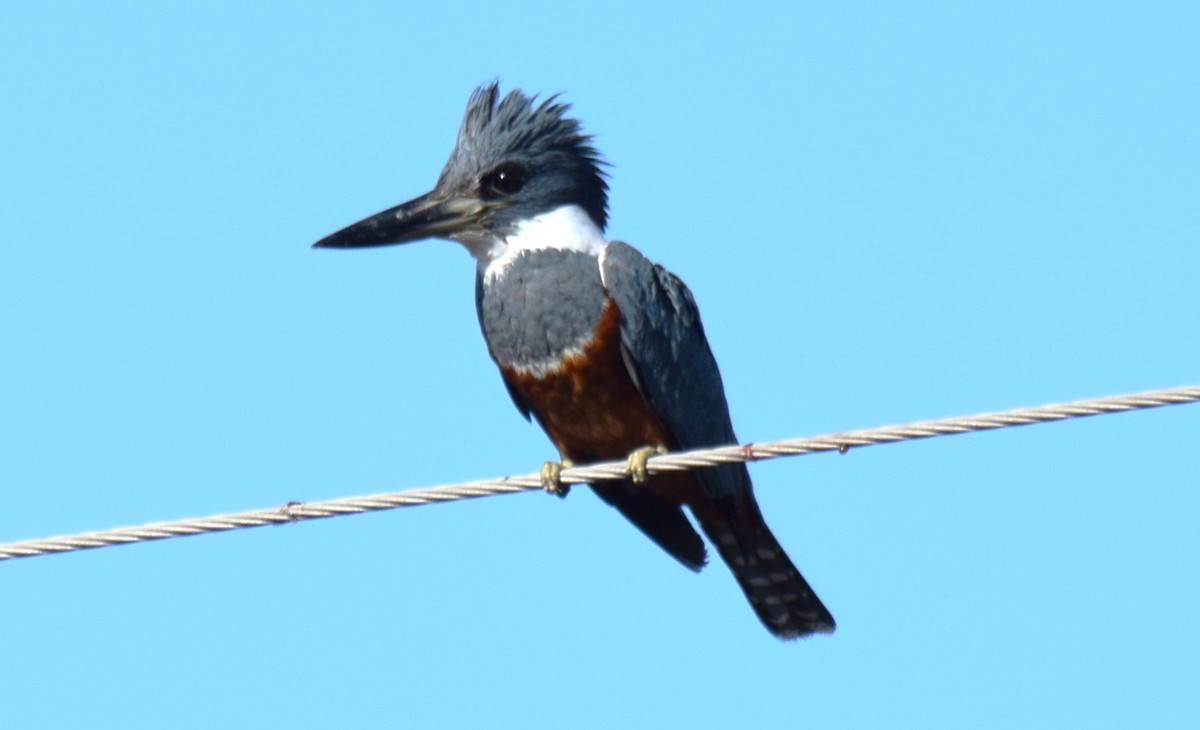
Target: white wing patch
<point x="600" y="260"/>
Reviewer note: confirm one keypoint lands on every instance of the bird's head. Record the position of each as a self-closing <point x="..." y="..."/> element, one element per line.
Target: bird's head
<point x="514" y="159"/>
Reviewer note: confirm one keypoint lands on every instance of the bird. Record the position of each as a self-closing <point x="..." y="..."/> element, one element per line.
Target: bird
<point x="601" y="347"/>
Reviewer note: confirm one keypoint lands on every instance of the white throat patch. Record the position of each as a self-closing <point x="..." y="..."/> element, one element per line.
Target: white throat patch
<point x="564" y="229"/>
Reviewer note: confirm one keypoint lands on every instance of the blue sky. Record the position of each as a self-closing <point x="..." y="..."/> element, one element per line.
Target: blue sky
<point x="886" y="214"/>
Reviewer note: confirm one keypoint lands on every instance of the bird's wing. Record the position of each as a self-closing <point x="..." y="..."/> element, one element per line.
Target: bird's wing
<point x="668" y="355"/>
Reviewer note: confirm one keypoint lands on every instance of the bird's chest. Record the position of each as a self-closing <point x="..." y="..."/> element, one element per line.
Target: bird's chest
<point x="539" y="308"/>
<point x="557" y="338"/>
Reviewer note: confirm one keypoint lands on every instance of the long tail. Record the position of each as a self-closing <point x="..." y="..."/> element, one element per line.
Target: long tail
<point x="783" y="600"/>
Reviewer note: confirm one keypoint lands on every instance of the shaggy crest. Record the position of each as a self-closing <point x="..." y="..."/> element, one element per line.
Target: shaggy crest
<point x="539" y="135"/>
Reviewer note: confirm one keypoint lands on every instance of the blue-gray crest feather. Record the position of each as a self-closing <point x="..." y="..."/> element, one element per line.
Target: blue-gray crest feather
<point x="564" y="167"/>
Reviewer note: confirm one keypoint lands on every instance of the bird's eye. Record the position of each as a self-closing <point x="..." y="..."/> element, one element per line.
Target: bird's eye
<point x="504" y="180"/>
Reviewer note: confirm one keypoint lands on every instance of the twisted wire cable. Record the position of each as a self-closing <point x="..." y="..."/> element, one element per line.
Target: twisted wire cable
<point x="678" y="461"/>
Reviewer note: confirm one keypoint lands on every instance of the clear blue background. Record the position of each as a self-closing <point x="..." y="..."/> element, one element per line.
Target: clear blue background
<point x="886" y="213"/>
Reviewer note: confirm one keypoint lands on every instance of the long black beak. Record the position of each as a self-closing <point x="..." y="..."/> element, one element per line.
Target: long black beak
<point x="432" y="215"/>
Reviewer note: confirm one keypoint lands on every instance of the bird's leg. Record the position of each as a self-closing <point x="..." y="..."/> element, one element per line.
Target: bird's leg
<point x="551" y="476"/>
<point x="636" y="466"/>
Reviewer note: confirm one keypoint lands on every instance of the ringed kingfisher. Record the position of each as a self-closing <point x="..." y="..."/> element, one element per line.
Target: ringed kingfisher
<point x="602" y="347"/>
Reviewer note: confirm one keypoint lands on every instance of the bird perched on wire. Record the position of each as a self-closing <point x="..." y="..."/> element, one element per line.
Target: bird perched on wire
<point x="602" y="347"/>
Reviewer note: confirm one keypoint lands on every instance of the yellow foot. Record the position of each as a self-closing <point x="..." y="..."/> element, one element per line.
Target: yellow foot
<point x="551" y="476"/>
<point x="637" y="463"/>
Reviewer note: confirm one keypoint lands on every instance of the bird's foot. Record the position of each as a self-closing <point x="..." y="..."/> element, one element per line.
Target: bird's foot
<point x="551" y="476"/>
<point x="636" y="466"/>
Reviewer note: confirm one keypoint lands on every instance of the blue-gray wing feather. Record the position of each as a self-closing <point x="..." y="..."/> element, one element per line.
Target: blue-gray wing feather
<point x="669" y="356"/>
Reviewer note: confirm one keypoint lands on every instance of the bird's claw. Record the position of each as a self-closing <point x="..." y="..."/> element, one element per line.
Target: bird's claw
<point x="636" y="466"/>
<point x="551" y="476"/>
